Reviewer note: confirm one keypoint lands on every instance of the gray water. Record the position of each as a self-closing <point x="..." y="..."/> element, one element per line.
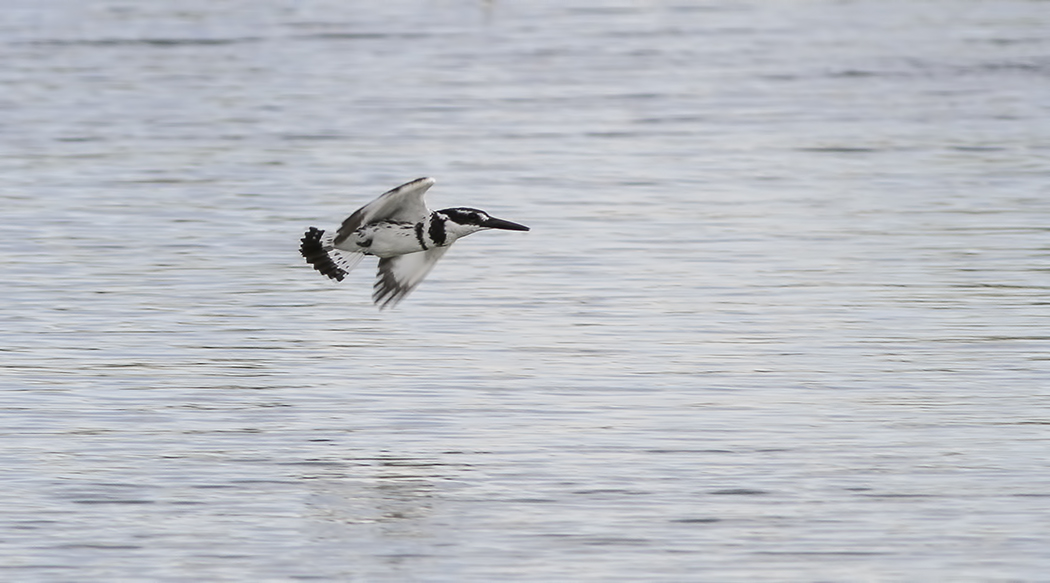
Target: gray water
<point x="782" y="315"/>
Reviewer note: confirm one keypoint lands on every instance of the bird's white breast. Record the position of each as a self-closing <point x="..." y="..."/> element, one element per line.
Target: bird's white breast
<point x="383" y="239"/>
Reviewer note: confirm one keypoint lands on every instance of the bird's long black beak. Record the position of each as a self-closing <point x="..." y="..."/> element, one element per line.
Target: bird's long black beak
<point x="494" y="223"/>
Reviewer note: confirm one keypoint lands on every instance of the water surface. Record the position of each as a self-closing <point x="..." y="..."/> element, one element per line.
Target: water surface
<point x="782" y="314"/>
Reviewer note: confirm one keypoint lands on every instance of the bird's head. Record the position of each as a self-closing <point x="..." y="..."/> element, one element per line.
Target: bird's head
<point x="464" y="221"/>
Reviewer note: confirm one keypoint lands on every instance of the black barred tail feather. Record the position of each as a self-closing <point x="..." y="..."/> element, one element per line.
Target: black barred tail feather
<point x="319" y="256"/>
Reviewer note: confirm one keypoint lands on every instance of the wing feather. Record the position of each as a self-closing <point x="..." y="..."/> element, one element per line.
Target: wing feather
<point x="398" y="276"/>
<point x="404" y="203"/>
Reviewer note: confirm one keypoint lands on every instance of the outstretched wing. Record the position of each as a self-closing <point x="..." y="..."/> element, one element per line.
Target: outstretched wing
<point x="400" y="275"/>
<point x="403" y="204"/>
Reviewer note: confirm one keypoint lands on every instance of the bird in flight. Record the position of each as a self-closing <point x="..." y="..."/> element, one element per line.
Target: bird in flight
<point x="398" y="228"/>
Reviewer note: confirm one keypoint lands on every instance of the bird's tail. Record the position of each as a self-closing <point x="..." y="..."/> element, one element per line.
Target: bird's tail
<point x="324" y="257"/>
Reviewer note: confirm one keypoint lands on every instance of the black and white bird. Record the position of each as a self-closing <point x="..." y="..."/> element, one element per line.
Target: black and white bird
<point x="398" y="228"/>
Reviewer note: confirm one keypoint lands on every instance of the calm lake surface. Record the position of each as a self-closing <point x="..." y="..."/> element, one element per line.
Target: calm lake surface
<point x="783" y="313"/>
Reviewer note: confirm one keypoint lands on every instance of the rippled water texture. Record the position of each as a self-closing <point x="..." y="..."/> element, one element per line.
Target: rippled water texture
<point x="782" y="315"/>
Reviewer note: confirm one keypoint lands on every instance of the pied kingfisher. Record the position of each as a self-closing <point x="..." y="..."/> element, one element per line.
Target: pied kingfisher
<point x="398" y="228"/>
